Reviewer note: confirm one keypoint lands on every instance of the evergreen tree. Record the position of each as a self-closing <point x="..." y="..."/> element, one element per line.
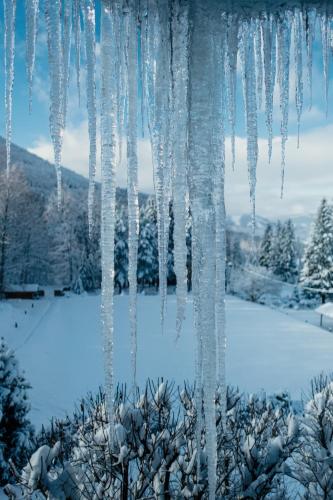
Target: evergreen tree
<point x="288" y="257"/>
<point x="286" y="260"/>
<point x="317" y="269"/>
<point x="65" y="252"/>
<point x="267" y="248"/>
<point x="148" y="245"/>
<point x="90" y="273"/>
<point x="15" y="428"/>
<point x="121" y="249"/>
<point x="277" y="248"/>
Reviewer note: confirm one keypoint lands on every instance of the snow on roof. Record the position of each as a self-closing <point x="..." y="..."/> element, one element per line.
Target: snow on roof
<point x="27" y="287"/>
<point x="325" y="309"/>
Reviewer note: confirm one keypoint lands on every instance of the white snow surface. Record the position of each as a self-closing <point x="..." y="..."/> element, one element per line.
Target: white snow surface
<point x="59" y="345"/>
<point x="326" y="309"/>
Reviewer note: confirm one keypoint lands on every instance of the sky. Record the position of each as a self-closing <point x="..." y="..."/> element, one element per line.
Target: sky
<point x="309" y="169"/>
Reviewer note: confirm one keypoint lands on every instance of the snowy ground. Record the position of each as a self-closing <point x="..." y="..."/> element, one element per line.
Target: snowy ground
<point x="58" y="343"/>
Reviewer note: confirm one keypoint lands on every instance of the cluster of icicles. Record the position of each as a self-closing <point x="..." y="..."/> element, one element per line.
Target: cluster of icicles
<point x="171" y="65"/>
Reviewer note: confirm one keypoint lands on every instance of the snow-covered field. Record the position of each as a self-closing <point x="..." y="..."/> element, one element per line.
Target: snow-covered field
<point x="58" y="343"/>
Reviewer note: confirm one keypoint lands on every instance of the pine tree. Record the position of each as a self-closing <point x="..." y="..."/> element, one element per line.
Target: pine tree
<point x="15" y="428"/>
<point x="266" y="248"/>
<point x="121" y="249"/>
<point x="148" y="245"/>
<point x="317" y="269"/>
<point x="286" y="260"/>
<point x="90" y="273"/>
<point x="276" y="248"/>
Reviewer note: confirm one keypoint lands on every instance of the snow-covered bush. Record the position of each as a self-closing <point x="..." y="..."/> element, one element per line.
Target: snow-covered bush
<point x="261" y="434"/>
<point x="153" y="451"/>
<point x="256" y="284"/>
<point x="15" y="428"/>
<point x="314" y="458"/>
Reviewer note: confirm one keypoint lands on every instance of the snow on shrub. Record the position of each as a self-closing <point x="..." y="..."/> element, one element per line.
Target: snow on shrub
<point x="15" y="428"/>
<point x="153" y="453"/>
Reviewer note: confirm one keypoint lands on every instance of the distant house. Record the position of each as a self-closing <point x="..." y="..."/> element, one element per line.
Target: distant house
<point x="28" y="291"/>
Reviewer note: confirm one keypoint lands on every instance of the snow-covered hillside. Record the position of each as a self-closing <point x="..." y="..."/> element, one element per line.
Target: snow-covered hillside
<point x="59" y="346"/>
<point x="42" y="177"/>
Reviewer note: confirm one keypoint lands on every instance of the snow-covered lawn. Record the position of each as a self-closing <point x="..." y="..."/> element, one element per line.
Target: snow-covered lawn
<point x="58" y="343"/>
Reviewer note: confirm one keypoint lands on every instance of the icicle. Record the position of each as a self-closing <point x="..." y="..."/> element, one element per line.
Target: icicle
<point x="324" y="28"/>
<point x="122" y="85"/>
<point x="31" y="18"/>
<point x="284" y="28"/>
<point x="142" y="79"/>
<point x="77" y="41"/>
<point x="218" y="136"/>
<point x="269" y="49"/>
<point x="298" y="47"/>
<point x="310" y="29"/>
<point x="180" y="30"/>
<point x="66" y="48"/>
<point x="132" y="177"/>
<point x="158" y="76"/>
<point x="9" y="7"/>
<point x="250" y="105"/>
<point x="204" y="19"/>
<point x="232" y="33"/>
<point x="109" y="66"/>
<point x="53" y="23"/>
<point x="89" y="20"/>
<point x="258" y="62"/>
<point x="209" y="345"/>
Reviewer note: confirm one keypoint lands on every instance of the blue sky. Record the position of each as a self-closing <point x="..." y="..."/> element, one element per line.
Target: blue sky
<point x="309" y="172"/>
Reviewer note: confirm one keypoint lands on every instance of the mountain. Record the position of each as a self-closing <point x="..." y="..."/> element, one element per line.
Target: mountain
<point x="42" y="177"/>
<point x="243" y="224"/>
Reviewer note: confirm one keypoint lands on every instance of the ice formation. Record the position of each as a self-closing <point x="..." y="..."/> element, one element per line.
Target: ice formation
<point x="176" y="63"/>
<point x="90" y="39"/>
<point x="31" y="16"/>
<point x="9" y="7"/>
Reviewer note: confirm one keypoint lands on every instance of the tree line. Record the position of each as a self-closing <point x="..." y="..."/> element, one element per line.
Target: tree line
<point x="310" y="267"/>
<point x="40" y="243"/>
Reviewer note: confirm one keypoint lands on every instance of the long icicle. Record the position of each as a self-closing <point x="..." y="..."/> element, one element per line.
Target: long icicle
<point x="232" y="34"/>
<point x="309" y="20"/>
<point x="250" y="105"/>
<point x="77" y="43"/>
<point x="258" y="61"/>
<point x="132" y="178"/>
<point x="180" y="30"/>
<point x="269" y="49"/>
<point x="66" y="51"/>
<point x="53" y="24"/>
<point x="324" y="28"/>
<point x="220" y="223"/>
<point x="109" y="161"/>
<point x="298" y="48"/>
<point x="204" y="19"/>
<point x="9" y="7"/>
<point x="158" y="96"/>
<point x="31" y="19"/>
<point x="284" y="30"/>
<point x="90" y="41"/>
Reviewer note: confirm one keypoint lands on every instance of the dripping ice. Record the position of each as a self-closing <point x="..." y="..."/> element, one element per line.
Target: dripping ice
<point x="180" y="131"/>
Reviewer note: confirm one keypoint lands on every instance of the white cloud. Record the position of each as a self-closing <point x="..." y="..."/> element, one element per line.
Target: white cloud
<point x="75" y="155"/>
<point x="308" y="174"/>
